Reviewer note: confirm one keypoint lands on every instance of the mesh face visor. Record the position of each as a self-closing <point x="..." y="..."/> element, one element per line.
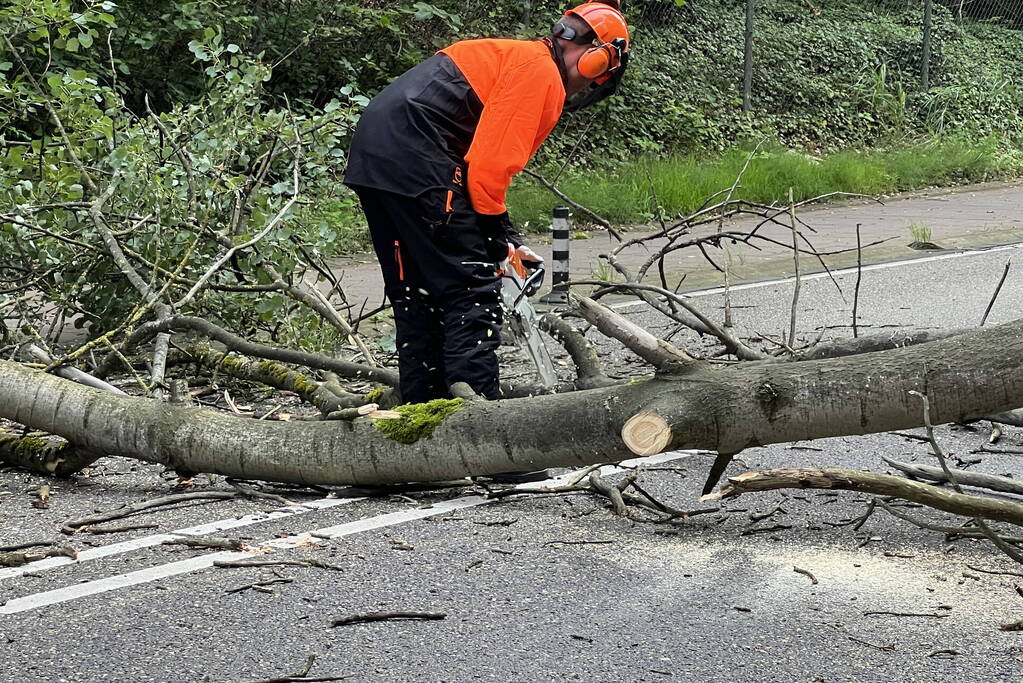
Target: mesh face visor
<point x="600" y="91"/>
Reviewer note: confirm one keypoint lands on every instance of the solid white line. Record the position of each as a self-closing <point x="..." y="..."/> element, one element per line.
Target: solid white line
<point x="823" y="274"/>
<point x="193" y="564"/>
<point x="157" y="539"/>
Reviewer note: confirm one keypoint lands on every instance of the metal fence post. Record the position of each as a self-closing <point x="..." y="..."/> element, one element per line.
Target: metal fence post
<point x="747" y="68"/>
<point x="925" y="66"/>
<point x="560" y="229"/>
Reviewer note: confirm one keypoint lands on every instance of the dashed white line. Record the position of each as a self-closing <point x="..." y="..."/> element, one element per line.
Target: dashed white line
<point x="193" y="564"/>
<point x="157" y="539"/>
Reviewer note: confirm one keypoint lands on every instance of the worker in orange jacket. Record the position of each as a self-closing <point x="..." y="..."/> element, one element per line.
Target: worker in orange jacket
<point x="431" y="160"/>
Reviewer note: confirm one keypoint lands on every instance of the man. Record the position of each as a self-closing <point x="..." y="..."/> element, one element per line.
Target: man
<point x="431" y="160"/>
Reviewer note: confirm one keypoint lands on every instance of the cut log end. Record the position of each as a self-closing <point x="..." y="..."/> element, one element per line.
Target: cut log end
<point x="646" y="434"/>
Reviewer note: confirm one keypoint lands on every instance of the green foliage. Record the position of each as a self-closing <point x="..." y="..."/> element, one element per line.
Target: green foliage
<point x="920" y="231"/>
<point x="337" y="221"/>
<point x="832" y="74"/>
<point x="178" y="187"/>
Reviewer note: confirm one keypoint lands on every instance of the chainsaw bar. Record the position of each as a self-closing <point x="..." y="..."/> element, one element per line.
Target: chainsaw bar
<point x="521" y="323"/>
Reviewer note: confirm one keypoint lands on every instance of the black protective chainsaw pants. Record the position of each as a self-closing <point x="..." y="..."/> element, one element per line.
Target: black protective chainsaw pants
<point x="439" y="275"/>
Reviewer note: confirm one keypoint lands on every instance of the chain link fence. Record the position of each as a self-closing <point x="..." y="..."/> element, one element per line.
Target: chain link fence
<point x="930" y="20"/>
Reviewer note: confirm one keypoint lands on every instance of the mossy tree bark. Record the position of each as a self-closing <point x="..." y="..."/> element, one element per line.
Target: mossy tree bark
<point x="965" y="377"/>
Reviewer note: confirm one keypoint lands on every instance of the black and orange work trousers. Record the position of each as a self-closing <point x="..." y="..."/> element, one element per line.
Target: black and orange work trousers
<point x="439" y="275"/>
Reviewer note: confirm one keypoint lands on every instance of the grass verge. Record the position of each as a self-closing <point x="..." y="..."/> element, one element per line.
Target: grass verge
<point x="682" y="184"/>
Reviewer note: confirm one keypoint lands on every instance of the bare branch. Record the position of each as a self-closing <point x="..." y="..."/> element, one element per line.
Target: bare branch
<point x="574" y="204"/>
<point x="247" y="348"/>
<point x="799" y="281"/>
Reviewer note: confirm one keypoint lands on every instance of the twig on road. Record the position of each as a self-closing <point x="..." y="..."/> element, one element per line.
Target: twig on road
<point x="600" y="542"/>
<point x="207" y="542"/>
<point x="906" y="614"/>
<point x="993" y="571"/>
<point x="26" y="545"/>
<point x="386" y="616"/>
<point x="261" y="586"/>
<point x="19" y="558"/>
<point x="97" y="530"/>
<point x="998" y="289"/>
<point x="74" y="525"/>
<point x="806" y="572"/>
<point x="241" y="564"/>
<point x="884" y="648"/>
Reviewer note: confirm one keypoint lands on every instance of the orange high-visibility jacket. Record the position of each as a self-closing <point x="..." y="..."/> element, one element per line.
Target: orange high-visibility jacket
<point x="469" y="118"/>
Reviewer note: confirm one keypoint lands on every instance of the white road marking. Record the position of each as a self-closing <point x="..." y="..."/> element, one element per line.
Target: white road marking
<point x="824" y="274"/>
<point x="193" y="564"/>
<point x="157" y="539"/>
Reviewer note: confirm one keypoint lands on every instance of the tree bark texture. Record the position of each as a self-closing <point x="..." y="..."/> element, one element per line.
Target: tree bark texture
<point x="727" y="410"/>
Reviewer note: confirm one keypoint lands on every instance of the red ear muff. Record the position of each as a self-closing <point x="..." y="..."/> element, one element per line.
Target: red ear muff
<point x="597" y="61"/>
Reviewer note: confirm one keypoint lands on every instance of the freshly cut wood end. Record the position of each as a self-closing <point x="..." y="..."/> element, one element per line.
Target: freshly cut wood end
<point x="384" y="415"/>
<point x="368" y="409"/>
<point x="646" y="434"/>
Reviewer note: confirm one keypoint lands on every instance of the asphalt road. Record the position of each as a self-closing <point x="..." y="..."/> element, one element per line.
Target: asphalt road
<point x="539" y="588"/>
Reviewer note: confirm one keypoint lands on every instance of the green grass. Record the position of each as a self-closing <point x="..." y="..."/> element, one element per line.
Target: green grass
<point x="682" y="184"/>
<point x="920" y="231"/>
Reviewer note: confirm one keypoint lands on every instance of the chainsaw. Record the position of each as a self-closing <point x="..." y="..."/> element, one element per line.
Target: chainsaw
<point x="518" y="283"/>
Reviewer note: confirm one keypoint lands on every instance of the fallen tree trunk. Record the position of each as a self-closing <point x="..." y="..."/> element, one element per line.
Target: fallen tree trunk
<point x="727" y="410"/>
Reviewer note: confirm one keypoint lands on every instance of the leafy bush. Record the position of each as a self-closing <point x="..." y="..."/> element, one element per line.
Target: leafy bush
<point x="84" y="176"/>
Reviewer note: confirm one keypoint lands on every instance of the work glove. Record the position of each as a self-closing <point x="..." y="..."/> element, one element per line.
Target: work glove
<point x="533" y="263"/>
<point x="530" y="259"/>
<point x="498" y="230"/>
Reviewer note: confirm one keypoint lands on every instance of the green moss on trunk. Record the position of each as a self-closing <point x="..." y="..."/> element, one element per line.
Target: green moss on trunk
<point x="52" y="455"/>
<point x="418" y="420"/>
<point x="374" y="395"/>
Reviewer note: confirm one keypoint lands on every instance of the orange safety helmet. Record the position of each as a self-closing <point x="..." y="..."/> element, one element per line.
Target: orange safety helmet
<point x="612" y="38"/>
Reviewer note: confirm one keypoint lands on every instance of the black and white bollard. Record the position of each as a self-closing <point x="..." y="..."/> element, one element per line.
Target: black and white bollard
<point x="560" y="229"/>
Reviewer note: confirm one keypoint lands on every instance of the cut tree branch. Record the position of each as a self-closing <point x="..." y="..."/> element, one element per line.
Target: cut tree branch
<point x="877" y="484"/>
<point x="659" y="353"/>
